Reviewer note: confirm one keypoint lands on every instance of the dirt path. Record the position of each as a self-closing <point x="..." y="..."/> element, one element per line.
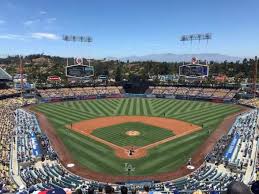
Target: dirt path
<point x="197" y="157"/>
<point x="179" y="128"/>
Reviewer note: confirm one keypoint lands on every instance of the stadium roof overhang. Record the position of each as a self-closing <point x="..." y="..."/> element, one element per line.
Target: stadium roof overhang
<point x="4" y="76"/>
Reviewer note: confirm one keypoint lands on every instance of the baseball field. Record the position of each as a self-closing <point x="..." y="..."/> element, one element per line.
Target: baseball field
<point x="93" y="143"/>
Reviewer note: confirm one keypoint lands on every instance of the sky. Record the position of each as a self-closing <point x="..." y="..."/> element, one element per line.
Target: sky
<point x="128" y="27"/>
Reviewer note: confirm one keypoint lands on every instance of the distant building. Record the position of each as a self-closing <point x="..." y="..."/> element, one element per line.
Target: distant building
<point x="221" y="78"/>
<point x="168" y="78"/>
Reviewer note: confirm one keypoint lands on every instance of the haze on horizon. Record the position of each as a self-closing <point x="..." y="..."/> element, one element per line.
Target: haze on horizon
<point x="129" y="27"/>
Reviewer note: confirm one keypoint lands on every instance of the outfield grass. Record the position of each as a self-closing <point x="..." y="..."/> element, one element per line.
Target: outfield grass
<point x="116" y="134"/>
<point x="164" y="158"/>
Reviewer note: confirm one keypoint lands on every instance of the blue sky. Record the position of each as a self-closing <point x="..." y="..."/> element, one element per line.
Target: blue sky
<point x="128" y="27"/>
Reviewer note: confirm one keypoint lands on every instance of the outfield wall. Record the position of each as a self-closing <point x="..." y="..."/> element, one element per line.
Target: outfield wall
<point x="129" y="95"/>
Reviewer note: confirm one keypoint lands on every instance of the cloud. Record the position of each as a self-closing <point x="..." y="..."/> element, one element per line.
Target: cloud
<point x="12" y="37"/>
<point x="2" y="22"/>
<point x="44" y="35"/>
<point x="43" y="12"/>
<point x="37" y="35"/>
<point x="51" y="20"/>
<point x="31" y="22"/>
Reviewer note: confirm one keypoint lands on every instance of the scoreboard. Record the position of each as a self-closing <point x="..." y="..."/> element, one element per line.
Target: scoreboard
<point x="79" y="71"/>
<point x="194" y="71"/>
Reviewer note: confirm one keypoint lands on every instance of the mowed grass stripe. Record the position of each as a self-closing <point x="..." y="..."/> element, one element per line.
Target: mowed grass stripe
<point x="222" y="114"/>
<point x="70" y="109"/>
<point x="56" y="118"/>
<point x="69" y="113"/>
<point x="131" y="107"/>
<point x="91" y="144"/>
<point x="110" y="109"/>
<point x="75" y="112"/>
<point x="114" y="102"/>
<point x="174" y="108"/>
<point x="170" y="107"/>
<point x="120" y="106"/>
<point x="159" y="104"/>
<point x="93" y="108"/>
<point x="109" y="103"/>
<point x="192" y="106"/>
<point x="84" y="106"/>
<point x="147" y="107"/>
<point x="138" y="106"/>
<point x="183" y="107"/>
<point x="143" y="109"/>
<point x="76" y="106"/>
<point x="202" y="105"/>
<point x="161" y="108"/>
<point x="127" y="111"/>
<point x="63" y="116"/>
<point x="197" y="112"/>
<point x="134" y="109"/>
<point x="123" y="107"/>
<point x="93" y="157"/>
<point x="200" y="118"/>
<point x="172" y="145"/>
<point x="155" y="102"/>
<point x="202" y="113"/>
<point x="161" y="161"/>
<point x="101" y="108"/>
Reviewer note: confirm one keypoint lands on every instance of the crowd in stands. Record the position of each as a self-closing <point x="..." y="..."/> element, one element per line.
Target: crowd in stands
<point x="75" y="92"/>
<point x="16" y="102"/>
<point x="244" y="132"/>
<point x="254" y="102"/>
<point x="227" y="162"/>
<point x="232" y="158"/>
<point x="8" y="92"/>
<point x="6" y="129"/>
<point x="212" y="93"/>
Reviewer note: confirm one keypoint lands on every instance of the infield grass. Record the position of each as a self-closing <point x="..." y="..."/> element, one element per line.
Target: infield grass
<point x="148" y="134"/>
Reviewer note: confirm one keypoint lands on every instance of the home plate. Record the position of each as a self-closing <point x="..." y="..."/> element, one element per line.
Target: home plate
<point x="70" y="165"/>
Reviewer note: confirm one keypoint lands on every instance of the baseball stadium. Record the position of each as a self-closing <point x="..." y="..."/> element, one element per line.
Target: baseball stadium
<point x="128" y="109"/>
<point x="167" y="139"/>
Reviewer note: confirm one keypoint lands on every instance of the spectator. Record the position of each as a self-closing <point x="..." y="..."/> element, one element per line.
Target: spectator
<point x="91" y="190"/>
<point x="238" y="188"/>
<point x="108" y="189"/>
<point x="255" y="187"/>
<point x="124" y="190"/>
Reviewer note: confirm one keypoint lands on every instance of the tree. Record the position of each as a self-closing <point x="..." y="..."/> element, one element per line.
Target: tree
<point x="118" y="74"/>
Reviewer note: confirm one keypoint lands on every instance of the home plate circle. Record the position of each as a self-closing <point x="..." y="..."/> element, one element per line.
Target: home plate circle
<point x="133" y="133"/>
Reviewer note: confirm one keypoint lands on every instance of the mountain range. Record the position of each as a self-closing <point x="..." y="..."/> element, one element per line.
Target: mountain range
<point x="170" y="57"/>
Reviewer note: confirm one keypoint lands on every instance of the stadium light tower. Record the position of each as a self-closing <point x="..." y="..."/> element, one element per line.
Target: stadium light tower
<point x="255" y="76"/>
<point x="199" y="37"/>
<point x="84" y="71"/>
<point x="73" y="38"/>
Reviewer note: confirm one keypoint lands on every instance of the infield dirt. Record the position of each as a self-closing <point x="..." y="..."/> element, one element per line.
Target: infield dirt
<point x="179" y="128"/>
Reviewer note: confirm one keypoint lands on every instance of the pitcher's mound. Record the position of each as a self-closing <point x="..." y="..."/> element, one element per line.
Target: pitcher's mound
<point x="133" y="133"/>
